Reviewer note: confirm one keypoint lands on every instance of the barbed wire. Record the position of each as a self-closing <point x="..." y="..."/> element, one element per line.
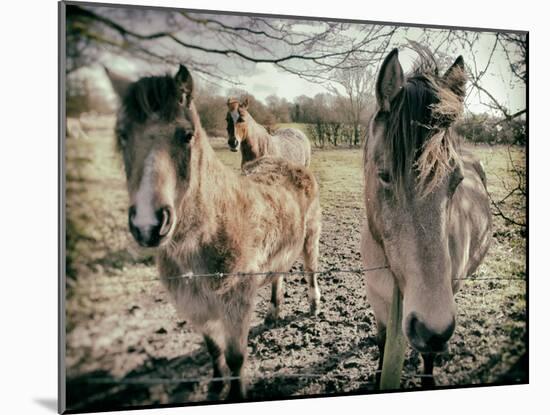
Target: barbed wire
<point x="121" y="382"/>
<point x="142" y="380"/>
<point x="118" y="384"/>
<point x="96" y="289"/>
<point x="190" y="275"/>
<point x="166" y="381"/>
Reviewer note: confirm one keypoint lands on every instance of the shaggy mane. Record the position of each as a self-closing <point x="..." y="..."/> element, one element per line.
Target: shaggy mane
<point x="154" y="95"/>
<point x="418" y="129"/>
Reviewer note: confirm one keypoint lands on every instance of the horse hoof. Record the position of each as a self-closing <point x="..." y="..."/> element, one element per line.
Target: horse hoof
<point x="314" y="309"/>
<point x="272" y="316"/>
<point x="314" y="297"/>
<point x="215" y="390"/>
<point x="236" y="395"/>
<point x="270" y="320"/>
<point x="428" y="382"/>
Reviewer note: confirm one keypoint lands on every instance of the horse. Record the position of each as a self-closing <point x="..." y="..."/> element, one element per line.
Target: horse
<point x="182" y="201"/>
<point x="255" y="141"/>
<point x="428" y="215"/>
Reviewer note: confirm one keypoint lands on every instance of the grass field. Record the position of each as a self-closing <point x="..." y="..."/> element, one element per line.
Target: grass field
<point x="120" y="327"/>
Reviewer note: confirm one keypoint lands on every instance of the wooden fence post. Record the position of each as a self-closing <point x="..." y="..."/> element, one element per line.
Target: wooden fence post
<point x="394" y="350"/>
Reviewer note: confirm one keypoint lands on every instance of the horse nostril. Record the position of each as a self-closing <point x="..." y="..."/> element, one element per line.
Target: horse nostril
<point x="415" y="328"/>
<point x="133" y="229"/>
<point x="131" y="216"/>
<point x="150" y="235"/>
<point x="423" y="337"/>
<point x="131" y="212"/>
<point x="165" y="216"/>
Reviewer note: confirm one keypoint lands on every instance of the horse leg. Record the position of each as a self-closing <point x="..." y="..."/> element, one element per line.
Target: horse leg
<point x="381" y="340"/>
<point x="428" y="380"/>
<point x="218" y="361"/>
<point x="311" y="258"/>
<point x="314" y="294"/>
<point x="237" y="327"/>
<point x="236" y="357"/>
<point x="277" y="298"/>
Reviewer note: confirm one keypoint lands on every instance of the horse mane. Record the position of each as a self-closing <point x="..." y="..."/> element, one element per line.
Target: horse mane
<point x="419" y="136"/>
<point x="153" y="95"/>
<point x="259" y="133"/>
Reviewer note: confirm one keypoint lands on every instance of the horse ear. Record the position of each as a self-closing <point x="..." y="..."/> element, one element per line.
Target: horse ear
<point x="456" y="78"/>
<point x="184" y="81"/>
<point x="119" y="83"/>
<point x="390" y="80"/>
<point x="232" y="104"/>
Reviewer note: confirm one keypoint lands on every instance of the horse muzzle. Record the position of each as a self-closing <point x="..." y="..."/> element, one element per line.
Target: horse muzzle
<point x="233" y="145"/>
<point x="152" y="235"/>
<point x="424" y="339"/>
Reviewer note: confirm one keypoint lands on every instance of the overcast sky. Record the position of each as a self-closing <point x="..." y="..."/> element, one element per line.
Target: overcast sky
<point x="264" y="79"/>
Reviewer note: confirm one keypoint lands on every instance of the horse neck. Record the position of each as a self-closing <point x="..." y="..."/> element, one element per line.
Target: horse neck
<point x="211" y="191"/>
<point x="258" y="142"/>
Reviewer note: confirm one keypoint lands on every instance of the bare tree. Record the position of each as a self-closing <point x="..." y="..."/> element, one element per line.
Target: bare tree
<point x="220" y="48"/>
<point x="358" y="87"/>
<point x="516" y="193"/>
<point x="173" y="38"/>
<point x="279" y="107"/>
<point x="513" y="46"/>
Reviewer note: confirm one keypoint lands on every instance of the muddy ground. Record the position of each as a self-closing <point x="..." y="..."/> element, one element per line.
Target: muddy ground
<point x="126" y="346"/>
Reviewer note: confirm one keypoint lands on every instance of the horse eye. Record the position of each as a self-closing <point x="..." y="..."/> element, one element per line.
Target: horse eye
<point x="384" y="177"/>
<point x="380" y="116"/>
<point x="183" y="135"/>
<point x="456" y="179"/>
<point x="122" y="139"/>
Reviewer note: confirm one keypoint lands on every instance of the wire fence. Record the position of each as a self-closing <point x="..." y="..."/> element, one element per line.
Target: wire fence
<point x="118" y="385"/>
<point x="146" y="380"/>
<point x="192" y="276"/>
<point x="151" y="381"/>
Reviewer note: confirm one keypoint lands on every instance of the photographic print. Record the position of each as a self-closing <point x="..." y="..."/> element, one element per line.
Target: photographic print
<point x="261" y="207"/>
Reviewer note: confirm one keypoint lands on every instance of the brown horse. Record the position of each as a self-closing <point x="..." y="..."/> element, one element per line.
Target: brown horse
<point x="255" y="141"/>
<point x="181" y="201"/>
<point x="428" y="213"/>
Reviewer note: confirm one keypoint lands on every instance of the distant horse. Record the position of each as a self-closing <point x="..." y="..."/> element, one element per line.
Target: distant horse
<point x="428" y="212"/>
<point x="255" y="141"/>
<point x="182" y="199"/>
